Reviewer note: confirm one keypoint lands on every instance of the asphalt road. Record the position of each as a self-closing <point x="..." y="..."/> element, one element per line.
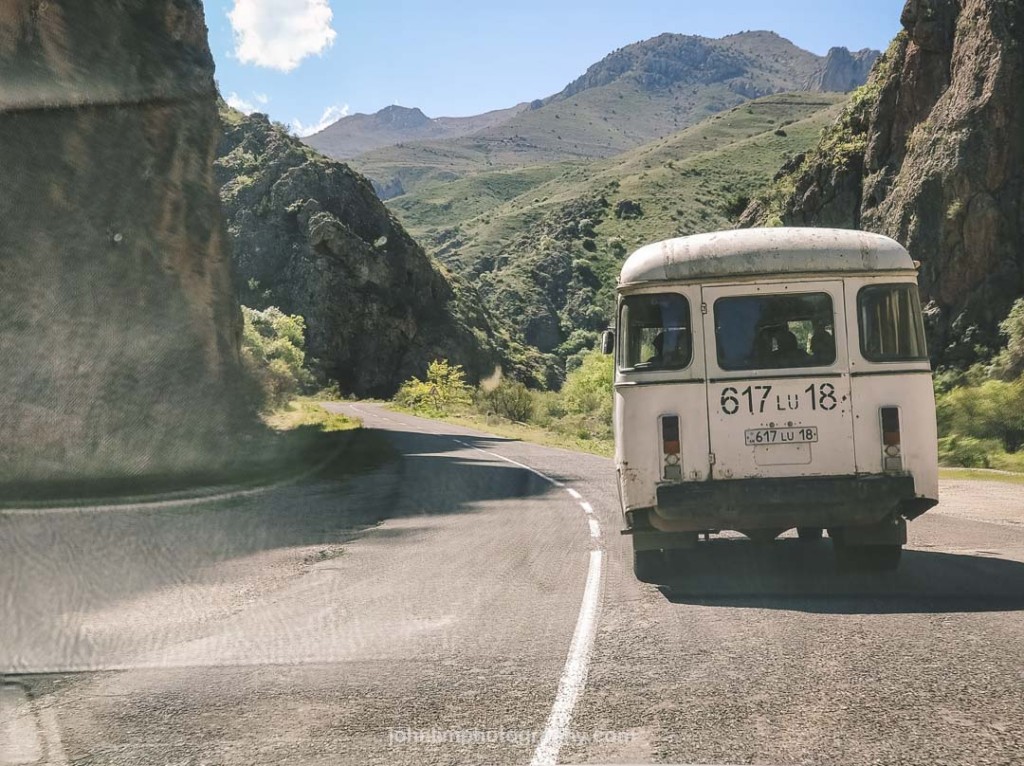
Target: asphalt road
<point x="456" y="607"/>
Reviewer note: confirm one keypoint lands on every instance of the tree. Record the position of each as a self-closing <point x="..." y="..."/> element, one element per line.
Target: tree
<point x="993" y="410"/>
<point x="273" y="355"/>
<point x="588" y="388"/>
<point x="510" y="399"/>
<point x="444" y="388"/>
<point x="1009" y="364"/>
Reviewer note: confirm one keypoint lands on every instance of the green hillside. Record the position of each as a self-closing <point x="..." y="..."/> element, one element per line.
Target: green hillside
<point x="636" y="94"/>
<point x="544" y="244"/>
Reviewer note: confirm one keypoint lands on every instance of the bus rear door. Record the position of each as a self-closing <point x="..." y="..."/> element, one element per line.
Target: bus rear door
<point x="778" y="383"/>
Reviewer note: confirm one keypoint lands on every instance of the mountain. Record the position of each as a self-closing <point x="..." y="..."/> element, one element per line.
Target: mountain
<point x="359" y="133"/>
<point x="843" y="71"/>
<point x="636" y="94"/>
<point x="310" y="236"/>
<point x="545" y="259"/>
<point x="120" y="339"/>
<point x="662" y="137"/>
<point x="749" y="62"/>
<point x="930" y="152"/>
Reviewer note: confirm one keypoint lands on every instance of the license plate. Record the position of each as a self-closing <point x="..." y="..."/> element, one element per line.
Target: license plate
<point x="760" y="437"/>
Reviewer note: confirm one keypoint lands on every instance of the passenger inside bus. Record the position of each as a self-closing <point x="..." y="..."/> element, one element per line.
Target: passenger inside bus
<point x="677" y="352"/>
<point x="823" y="345"/>
<point x="777" y="346"/>
<point x="775" y="331"/>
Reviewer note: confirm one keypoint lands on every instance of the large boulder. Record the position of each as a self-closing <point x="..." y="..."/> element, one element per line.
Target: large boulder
<point x="120" y="331"/>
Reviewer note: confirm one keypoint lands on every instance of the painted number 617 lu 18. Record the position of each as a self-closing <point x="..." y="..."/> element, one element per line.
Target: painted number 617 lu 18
<point x="757" y="400"/>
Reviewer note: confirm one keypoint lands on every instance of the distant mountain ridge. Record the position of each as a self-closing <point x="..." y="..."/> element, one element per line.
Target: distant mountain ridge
<point x="660" y="138"/>
<point x="640" y="92"/>
<point x="359" y="133"/>
<point x="672" y="59"/>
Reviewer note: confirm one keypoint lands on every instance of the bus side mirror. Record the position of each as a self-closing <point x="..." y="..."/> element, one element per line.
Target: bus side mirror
<point x="608" y="342"/>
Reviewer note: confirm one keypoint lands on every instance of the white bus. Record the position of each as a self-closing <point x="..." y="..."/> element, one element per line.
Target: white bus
<point x="771" y="379"/>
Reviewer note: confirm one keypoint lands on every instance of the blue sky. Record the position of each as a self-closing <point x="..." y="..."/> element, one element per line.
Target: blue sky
<point x="310" y="61"/>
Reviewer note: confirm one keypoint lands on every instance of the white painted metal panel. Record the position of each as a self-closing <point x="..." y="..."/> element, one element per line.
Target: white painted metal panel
<point x="764" y="252"/>
<point x="791" y="405"/>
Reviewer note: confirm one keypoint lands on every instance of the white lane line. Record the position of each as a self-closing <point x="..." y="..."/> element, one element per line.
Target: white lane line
<point x="20" y="740"/>
<point x="524" y="466"/>
<point x="574" y="675"/>
<point x="55" y="754"/>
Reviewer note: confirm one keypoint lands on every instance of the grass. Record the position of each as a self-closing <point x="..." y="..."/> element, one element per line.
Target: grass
<point x="518" y="431"/>
<point x="307" y="412"/>
<point x="439" y="201"/>
<point x="684" y="184"/>
<point x="981" y="474"/>
<point x="491" y="201"/>
<point x="681" y="182"/>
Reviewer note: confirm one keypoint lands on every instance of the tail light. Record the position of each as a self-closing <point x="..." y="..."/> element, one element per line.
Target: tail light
<point x="892" y="450"/>
<point x="671" y="448"/>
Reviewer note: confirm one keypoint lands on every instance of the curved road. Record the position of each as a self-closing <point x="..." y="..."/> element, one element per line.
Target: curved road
<point x="473" y="602"/>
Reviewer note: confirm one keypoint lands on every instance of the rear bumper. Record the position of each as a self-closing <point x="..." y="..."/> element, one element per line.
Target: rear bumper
<point x="820" y="501"/>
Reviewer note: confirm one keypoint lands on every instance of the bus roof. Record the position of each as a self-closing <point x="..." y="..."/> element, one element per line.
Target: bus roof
<point x="757" y="252"/>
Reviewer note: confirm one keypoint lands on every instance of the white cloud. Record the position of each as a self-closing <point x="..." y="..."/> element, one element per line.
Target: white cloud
<point x="331" y="115"/>
<point x="247" y="107"/>
<point x="237" y="102"/>
<point x="279" y="34"/>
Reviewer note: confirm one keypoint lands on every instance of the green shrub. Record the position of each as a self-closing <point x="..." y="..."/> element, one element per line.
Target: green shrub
<point x="966" y="451"/>
<point x="993" y="410"/>
<point x="510" y="399"/>
<point x="1002" y="461"/>
<point x="443" y="390"/>
<point x="1009" y="364"/>
<point x="583" y="408"/>
<point x="588" y="388"/>
<point x="273" y="356"/>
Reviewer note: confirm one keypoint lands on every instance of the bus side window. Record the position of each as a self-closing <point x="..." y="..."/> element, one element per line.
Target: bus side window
<point x="655" y="332"/>
<point x="891" y="323"/>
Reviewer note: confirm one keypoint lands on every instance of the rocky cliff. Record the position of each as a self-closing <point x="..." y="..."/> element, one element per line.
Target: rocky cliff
<point x="931" y="152"/>
<point x="119" y="339"/>
<point x="843" y="71"/>
<point x="750" y="64"/>
<point x="311" y="237"/>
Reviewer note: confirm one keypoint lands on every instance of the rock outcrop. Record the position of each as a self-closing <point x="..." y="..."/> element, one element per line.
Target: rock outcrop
<point x="751" y="64"/>
<point x="120" y="331"/>
<point x="931" y="152"/>
<point x="311" y="237"/>
<point x="843" y="71"/>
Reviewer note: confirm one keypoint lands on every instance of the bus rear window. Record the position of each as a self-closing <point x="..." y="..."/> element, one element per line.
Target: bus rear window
<point x="766" y="332"/>
<point x="655" y="332"/>
<point x="891" y="324"/>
